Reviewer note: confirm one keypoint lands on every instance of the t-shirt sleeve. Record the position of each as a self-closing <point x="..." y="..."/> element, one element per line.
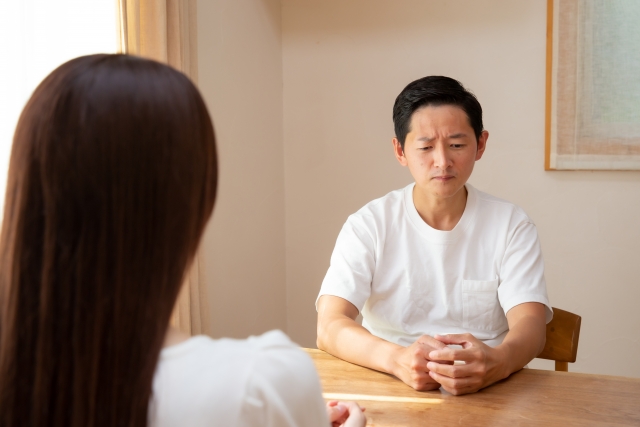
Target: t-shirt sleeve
<point x="522" y="271"/>
<point x="283" y="389"/>
<point x="352" y="262"/>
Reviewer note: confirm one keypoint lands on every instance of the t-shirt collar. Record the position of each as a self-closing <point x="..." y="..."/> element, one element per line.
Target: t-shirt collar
<point x="440" y="236"/>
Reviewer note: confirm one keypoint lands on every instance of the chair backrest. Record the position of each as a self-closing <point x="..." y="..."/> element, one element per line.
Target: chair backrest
<point x="563" y="333"/>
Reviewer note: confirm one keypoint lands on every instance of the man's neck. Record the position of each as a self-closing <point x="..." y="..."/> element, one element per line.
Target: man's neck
<point x="440" y="213"/>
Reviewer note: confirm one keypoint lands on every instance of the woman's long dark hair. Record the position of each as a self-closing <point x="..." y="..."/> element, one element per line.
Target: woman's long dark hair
<point x="111" y="182"/>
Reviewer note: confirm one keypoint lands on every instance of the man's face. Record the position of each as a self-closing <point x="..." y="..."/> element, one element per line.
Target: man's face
<point x="440" y="150"/>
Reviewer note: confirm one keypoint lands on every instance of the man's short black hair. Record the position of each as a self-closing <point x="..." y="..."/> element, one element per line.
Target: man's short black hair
<point x="435" y="91"/>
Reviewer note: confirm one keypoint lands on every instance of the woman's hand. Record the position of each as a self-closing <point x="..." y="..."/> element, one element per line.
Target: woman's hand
<point x="346" y="414"/>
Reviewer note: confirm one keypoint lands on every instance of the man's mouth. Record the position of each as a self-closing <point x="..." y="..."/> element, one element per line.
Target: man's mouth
<point x="443" y="177"/>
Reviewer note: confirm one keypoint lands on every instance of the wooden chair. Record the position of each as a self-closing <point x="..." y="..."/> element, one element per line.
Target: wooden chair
<point x="562" y="339"/>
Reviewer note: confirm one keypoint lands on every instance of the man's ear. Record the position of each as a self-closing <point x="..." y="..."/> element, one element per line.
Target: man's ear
<point x="399" y="152"/>
<point x="482" y="144"/>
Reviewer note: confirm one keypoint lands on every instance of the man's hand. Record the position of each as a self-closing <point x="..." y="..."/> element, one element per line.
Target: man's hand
<point x="410" y="363"/>
<point x="483" y="365"/>
<point x="340" y="335"/>
<point x="428" y="361"/>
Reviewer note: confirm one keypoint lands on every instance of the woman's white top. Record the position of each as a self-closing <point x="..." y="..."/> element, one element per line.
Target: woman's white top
<point x="261" y="381"/>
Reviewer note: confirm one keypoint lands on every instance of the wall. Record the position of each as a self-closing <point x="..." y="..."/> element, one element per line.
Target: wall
<point x="343" y="64"/>
<point x="240" y="76"/>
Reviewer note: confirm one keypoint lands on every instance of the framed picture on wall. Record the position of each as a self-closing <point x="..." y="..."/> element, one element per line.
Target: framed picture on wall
<point x="593" y="85"/>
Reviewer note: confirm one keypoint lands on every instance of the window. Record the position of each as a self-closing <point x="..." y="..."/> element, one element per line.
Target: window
<point x="35" y="37"/>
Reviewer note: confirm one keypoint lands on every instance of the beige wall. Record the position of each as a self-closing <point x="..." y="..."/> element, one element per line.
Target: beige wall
<point x="345" y="61"/>
<point x="240" y="76"/>
<point x="323" y="140"/>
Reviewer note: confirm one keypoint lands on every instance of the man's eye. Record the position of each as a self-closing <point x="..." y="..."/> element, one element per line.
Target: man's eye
<point x="425" y="148"/>
<point x="457" y="145"/>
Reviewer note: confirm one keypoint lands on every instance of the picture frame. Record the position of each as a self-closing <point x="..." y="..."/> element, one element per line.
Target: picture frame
<point x="593" y="85"/>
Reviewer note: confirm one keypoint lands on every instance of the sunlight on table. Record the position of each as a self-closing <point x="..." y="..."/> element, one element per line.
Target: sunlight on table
<point x="372" y="398"/>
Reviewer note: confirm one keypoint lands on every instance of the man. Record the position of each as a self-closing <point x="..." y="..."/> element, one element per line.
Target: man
<point x="440" y="271"/>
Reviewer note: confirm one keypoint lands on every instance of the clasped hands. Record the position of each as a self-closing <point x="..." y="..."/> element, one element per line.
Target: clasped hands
<point x="428" y="364"/>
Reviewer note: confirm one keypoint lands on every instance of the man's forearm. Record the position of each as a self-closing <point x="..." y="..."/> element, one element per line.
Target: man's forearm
<point x="340" y="335"/>
<point x="346" y="339"/>
<point x="525" y="340"/>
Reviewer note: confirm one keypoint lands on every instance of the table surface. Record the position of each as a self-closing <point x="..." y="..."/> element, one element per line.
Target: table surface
<point x="527" y="397"/>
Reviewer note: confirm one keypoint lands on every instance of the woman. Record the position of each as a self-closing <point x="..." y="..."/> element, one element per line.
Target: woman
<point x="111" y="182"/>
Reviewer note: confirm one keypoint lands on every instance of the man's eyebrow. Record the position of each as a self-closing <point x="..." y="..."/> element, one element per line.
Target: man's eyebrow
<point x="431" y="138"/>
<point x="426" y="139"/>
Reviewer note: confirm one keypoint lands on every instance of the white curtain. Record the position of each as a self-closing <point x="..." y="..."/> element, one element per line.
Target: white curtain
<point x="165" y="30"/>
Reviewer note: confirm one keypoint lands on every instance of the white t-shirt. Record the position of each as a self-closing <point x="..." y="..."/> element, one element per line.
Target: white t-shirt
<point x="260" y="381"/>
<point x="408" y="279"/>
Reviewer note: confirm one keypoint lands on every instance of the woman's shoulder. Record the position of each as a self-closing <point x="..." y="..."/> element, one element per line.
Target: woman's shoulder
<point x="271" y="340"/>
<point x="244" y="379"/>
<point x="284" y="388"/>
<point x="202" y="346"/>
<point x="275" y="350"/>
<point x="271" y="358"/>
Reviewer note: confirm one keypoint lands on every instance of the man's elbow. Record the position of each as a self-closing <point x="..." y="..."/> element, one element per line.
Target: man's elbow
<point x="319" y="342"/>
<point x="327" y="327"/>
<point x="321" y="335"/>
<point x="543" y="340"/>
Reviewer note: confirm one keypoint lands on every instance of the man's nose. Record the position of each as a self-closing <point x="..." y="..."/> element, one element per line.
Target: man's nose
<point x="441" y="158"/>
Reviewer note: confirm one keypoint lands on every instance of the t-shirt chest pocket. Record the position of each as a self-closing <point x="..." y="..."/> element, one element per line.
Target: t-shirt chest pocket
<point x="480" y="305"/>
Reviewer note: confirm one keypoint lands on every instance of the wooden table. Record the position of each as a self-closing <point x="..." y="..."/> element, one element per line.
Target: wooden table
<point x="528" y="397"/>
